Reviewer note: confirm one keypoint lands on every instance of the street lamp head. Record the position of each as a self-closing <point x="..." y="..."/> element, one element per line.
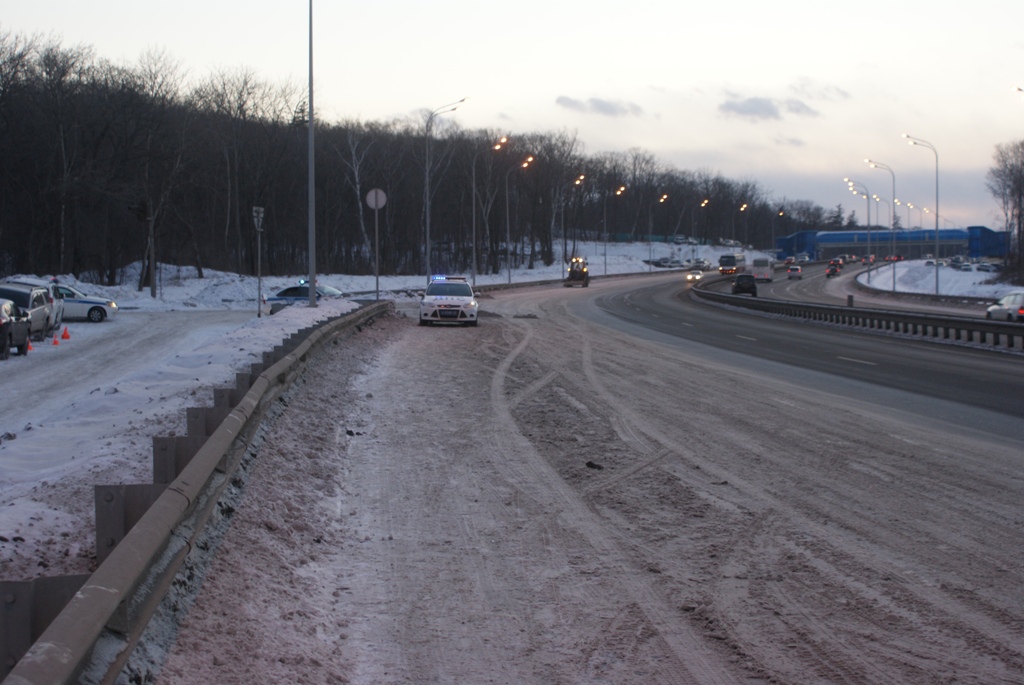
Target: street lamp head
<point x="621" y="190"/>
<point x="663" y="198"/>
<point x="704" y="204"/>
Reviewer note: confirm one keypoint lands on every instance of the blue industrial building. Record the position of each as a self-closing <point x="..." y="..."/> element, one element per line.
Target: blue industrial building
<point x="973" y="242"/>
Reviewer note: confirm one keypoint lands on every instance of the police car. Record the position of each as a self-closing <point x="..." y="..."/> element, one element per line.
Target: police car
<point x="78" y="305"/>
<point x="448" y="299"/>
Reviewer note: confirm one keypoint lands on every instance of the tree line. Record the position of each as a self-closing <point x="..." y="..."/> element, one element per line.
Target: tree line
<point x="104" y="165"/>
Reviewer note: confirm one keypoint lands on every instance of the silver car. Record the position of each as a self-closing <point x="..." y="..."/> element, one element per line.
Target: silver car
<point x="1009" y="307"/>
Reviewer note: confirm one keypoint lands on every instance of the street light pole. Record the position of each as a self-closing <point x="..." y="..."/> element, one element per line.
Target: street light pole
<point x="472" y="202"/>
<point x="311" y="173"/>
<point x="508" y="223"/>
<point x="650" y="231"/>
<point x="867" y="209"/>
<point x="619" y="191"/>
<point x="923" y="143"/>
<point x="444" y="109"/>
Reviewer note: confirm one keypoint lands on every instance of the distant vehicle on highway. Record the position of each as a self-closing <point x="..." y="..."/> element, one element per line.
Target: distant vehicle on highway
<point x="831" y="270"/>
<point x="763" y="268"/>
<point x="694" y="276"/>
<point x="732" y="263"/>
<point x="1009" y="307"/>
<point x="795" y="272"/>
<point x="577" y="273"/>
<point x="744" y="284"/>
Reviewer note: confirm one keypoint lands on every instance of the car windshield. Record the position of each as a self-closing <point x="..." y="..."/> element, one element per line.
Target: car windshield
<point x="450" y="289"/>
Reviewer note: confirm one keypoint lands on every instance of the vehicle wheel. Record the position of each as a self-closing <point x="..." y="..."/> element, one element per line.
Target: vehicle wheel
<point x="5" y="348"/>
<point x="424" y="322"/>
<point x="473" y="323"/>
<point x="96" y="314"/>
<point x="1009" y="317"/>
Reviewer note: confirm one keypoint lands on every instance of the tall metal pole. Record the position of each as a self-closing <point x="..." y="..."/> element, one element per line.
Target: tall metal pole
<point x="923" y="143"/>
<point x="445" y="109"/>
<point x="312" y="173"/>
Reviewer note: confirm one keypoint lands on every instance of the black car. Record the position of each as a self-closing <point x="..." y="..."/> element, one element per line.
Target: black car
<point x="744" y="283"/>
<point x="14" y="330"/>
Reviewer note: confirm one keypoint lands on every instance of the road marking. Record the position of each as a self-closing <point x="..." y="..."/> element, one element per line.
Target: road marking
<point x="746" y="338"/>
<point x="857" y="361"/>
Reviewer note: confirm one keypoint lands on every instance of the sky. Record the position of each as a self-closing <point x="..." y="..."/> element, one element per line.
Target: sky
<point x="792" y="94"/>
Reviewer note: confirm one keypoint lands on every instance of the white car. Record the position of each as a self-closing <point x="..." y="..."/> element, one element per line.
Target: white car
<point x="695" y="275"/>
<point x="78" y="305"/>
<point x="448" y="299"/>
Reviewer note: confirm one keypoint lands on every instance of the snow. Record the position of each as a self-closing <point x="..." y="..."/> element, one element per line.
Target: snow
<point x="67" y="424"/>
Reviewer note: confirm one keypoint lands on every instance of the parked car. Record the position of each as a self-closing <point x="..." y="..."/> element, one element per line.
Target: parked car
<point x="300" y="293"/>
<point x="55" y="303"/>
<point x="1009" y="307"/>
<point x="987" y="267"/>
<point x="448" y="299"/>
<point x="795" y="272"/>
<point x="14" y="330"/>
<point x="33" y="303"/>
<point x="78" y="305"/>
<point x="744" y="283"/>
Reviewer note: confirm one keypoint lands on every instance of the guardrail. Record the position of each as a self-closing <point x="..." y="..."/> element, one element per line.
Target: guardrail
<point x="145" y="531"/>
<point x="926" y="326"/>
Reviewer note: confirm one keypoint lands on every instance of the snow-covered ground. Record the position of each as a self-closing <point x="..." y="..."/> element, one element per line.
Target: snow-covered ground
<point x="83" y="411"/>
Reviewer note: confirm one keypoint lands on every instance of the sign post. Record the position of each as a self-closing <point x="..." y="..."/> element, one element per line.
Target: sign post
<point x="376" y="199"/>
<point x="257" y="218"/>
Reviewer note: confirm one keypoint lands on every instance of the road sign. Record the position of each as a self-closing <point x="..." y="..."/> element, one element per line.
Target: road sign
<point x="376" y="198"/>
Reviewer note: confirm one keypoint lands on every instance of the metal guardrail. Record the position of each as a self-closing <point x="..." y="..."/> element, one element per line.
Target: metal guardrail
<point x="925" y="326"/>
<point x="116" y="602"/>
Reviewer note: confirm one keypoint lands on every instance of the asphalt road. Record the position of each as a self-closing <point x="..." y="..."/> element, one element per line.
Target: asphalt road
<point x="956" y="384"/>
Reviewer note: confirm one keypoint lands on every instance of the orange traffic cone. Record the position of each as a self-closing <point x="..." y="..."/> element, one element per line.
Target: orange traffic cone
<point x="29" y="345"/>
<point x="55" y="341"/>
<point x="65" y="335"/>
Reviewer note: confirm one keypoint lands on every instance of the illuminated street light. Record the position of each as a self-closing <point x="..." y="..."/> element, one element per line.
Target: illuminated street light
<point x="923" y="143"/>
<point x="866" y="194"/>
<point x="472" y="201"/>
<point x="650" y="231"/>
<point x="619" y="191"/>
<point x="508" y="228"/>
<point x="444" y="109"/>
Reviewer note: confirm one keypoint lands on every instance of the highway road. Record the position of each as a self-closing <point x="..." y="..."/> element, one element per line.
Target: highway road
<point x="617" y="484"/>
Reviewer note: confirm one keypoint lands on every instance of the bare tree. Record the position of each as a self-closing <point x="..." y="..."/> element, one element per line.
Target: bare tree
<point x="1005" y="181"/>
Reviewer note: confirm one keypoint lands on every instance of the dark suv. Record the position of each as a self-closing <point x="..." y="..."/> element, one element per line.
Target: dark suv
<point x="744" y="283"/>
<point x="33" y="301"/>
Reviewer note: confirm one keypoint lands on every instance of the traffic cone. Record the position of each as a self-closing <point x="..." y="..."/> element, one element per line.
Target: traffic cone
<point x="30" y="345"/>
<point x="55" y="341"/>
<point x="65" y="335"/>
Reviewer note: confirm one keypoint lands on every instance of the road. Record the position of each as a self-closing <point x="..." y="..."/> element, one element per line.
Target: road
<point x="577" y="492"/>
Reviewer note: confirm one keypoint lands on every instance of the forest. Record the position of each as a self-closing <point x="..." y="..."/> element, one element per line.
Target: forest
<point x="103" y="165"/>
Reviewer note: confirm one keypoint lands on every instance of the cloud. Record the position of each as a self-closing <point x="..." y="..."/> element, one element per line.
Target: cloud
<point x="800" y="108"/>
<point x="758" y="109"/>
<point x="810" y="90"/>
<point x="765" y="109"/>
<point x="600" y="106"/>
